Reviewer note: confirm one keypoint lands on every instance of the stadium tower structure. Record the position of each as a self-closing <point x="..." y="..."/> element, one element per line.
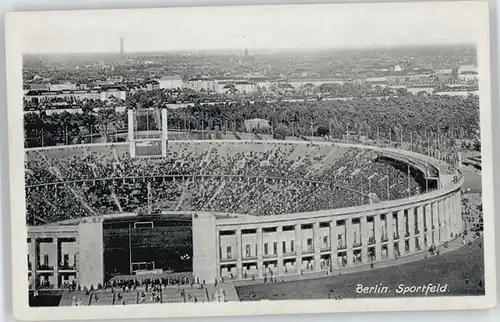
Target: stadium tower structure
<point x="149" y="142"/>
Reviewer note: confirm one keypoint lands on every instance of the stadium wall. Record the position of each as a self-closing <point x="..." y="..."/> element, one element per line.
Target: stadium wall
<point x="90" y="264"/>
<point x="251" y="247"/>
<point x="244" y="246"/>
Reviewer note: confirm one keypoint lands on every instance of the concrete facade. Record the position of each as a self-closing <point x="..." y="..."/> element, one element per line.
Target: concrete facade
<point x="60" y="255"/>
<point x="249" y="246"/>
<point x="244" y="246"/>
<point x="254" y="247"/>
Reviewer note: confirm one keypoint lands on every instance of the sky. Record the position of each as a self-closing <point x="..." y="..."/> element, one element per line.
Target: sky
<point x="258" y="27"/>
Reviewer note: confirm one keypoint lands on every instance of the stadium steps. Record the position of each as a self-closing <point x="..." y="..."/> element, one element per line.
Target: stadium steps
<point x="209" y="292"/>
<point x="66" y="298"/>
<point x="182" y="197"/>
<point x="230" y="291"/>
<point x="217" y="192"/>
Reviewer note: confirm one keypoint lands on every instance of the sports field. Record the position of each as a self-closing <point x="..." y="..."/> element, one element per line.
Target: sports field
<point x="462" y="270"/>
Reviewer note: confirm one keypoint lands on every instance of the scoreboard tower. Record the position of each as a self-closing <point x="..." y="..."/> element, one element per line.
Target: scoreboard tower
<point x="147" y="132"/>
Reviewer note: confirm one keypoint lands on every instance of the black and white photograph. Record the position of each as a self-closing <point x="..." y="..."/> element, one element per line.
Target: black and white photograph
<point x="309" y="155"/>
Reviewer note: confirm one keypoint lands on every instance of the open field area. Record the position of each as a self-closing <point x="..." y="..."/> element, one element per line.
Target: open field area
<point x="462" y="270"/>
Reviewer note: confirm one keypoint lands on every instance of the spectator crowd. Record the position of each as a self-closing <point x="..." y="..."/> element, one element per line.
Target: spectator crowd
<point x="264" y="178"/>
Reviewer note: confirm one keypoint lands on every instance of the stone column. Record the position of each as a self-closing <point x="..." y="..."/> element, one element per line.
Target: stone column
<point x="453" y="215"/>
<point x="449" y="213"/>
<point x="317" y="246"/>
<point x="411" y="228"/>
<point x="442" y="220"/>
<point x="390" y="235"/>
<point x="34" y="261"/>
<point x="420" y="221"/>
<point x="438" y="224"/>
<point x="260" y="262"/>
<point x="298" y="246"/>
<point x="218" y="251"/>
<point x="239" y="265"/>
<point x="378" y="237"/>
<point x="279" y="237"/>
<point x="364" y="239"/>
<point x="56" y="263"/>
<point x="349" y="240"/>
<point x="401" y="232"/>
<point x="435" y="222"/>
<point x="428" y="222"/>
<point x="458" y="204"/>
<point x="333" y="244"/>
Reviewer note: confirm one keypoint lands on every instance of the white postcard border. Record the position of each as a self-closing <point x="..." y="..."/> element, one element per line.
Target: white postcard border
<point x="16" y="23"/>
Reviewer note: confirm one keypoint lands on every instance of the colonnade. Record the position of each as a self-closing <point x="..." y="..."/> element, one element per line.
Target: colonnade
<point x="51" y="262"/>
<point x="328" y="243"/>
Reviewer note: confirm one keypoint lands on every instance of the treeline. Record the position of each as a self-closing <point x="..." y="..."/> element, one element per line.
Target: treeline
<point x="407" y="118"/>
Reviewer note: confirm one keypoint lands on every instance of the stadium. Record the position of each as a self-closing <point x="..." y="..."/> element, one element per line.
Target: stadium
<point x="239" y="210"/>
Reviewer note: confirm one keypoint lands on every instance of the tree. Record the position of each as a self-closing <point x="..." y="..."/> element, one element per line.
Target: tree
<point x="280" y="132"/>
<point x="106" y="117"/>
<point x="322" y="131"/>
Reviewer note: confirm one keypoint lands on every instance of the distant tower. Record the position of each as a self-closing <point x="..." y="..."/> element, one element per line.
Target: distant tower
<point x="245" y="53"/>
<point x="121" y="49"/>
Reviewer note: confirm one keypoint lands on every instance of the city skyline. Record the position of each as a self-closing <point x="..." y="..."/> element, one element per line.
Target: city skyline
<point x="235" y="28"/>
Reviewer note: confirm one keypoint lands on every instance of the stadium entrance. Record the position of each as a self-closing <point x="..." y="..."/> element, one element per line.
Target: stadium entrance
<point x="145" y="245"/>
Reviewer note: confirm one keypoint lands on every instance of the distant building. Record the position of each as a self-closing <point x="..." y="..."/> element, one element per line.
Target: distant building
<point x="256" y="124"/>
<point x="101" y="93"/>
<point x="376" y="80"/>
<point x="170" y="82"/>
<point x="427" y="88"/>
<point x="411" y="75"/>
<point x="300" y="82"/>
<point x="201" y="84"/>
<point x="152" y="85"/>
<point x="467" y="73"/>
<point x="38" y="87"/>
<point x="62" y="86"/>
<point x="108" y="92"/>
<point x="114" y="80"/>
<point x="463" y="90"/>
<point x="444" y="74"/>
<point x="241" y="86"/>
